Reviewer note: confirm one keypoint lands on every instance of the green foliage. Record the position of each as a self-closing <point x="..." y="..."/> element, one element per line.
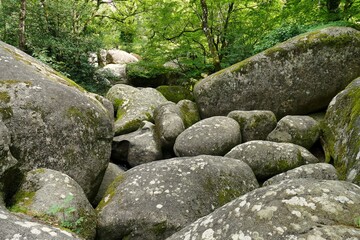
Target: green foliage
<point x="357" y="222"/>
<point x="67" y="212"/>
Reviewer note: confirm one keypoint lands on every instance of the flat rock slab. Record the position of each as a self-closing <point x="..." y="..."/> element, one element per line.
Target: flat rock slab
<point x="293" y="209"/>
<point x="154" y="200"/>
<point x="296" y="77"/>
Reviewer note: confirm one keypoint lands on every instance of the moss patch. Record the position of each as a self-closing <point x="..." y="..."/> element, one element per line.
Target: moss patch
<point x="4" y="97"/>
<point x="110" y="192"/>
<point x="175" y="93"/>
<point x="6" y="112"/>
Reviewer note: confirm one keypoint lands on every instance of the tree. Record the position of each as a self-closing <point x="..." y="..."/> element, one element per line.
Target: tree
<point x="22" y="18"/>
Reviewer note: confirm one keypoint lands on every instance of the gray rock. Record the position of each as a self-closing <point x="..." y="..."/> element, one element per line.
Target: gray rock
<point x="22" y="227"/>
<point x="112" y="172"/>
<point x="189" y="112"/>
<point x="168" y="123"/>
<point x="154" y="200"/>
<point x="53" y="122"/>
<point x="56" y="198"/>
<point x="320" y="171"/>
<point x="113" y="73"/>
<point x="293" y="209"/>
<point x="115" y="56"/>
<point x="299" y="130"/>
<point x="211" y="136"/>
<point x="268" y="159"/>
<point x="7" y="162"/>
<point x="296" y="77"/>
<point x="133" y="106"/>
<point x="341" y="133"/>
<point x="254" y="125"/>
<point x="139" y="147"/>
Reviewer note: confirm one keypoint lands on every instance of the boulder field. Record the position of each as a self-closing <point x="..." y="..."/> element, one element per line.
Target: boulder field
<point x="243" y="161"/>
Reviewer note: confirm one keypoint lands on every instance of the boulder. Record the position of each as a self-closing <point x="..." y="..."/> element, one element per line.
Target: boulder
<point x="211" y="136"/>
<point x="293" y="209"/>
<point x="66" y="206"/>
<point x="254" y="125"/>
<point x="133" y="106"/>
<point x="296" y="77"/>
<point x="62" y="126"/>
<point x="341" y="133"/>
<point x="299" y="130"/>
<point x="139" y="147"/>
<point x="168" y="123"/>
<point x="112" y="172"/>
<point x="115" y="56"/>
<point x="320" y="171"/>
<point x="154" y="200"/>
<point x="102" y="57"/>
<point x="113" y="73"/>
<point x="268" y="159"/>
<point x="189" y="112"/>
<point x="175" y="93"/>
<point x="19" y="227"/>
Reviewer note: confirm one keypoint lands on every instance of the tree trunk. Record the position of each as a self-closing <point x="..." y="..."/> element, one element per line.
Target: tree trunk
<point x="22" y="18"/>
<point x="209" y="36"/>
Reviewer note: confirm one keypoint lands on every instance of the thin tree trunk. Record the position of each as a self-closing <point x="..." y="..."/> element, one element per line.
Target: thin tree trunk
<point x="22" y="18"/>
<point x="209" y="36"/>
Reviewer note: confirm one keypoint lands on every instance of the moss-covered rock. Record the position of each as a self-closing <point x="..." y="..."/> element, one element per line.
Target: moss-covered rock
<point x="66" y="206"/>
<point x="296" y="77"/>
<point x="189" y="112"/>
<point x="341" y="130"/>
<point x="268" y="159"/>
<point x="53" y="123"/>
<point x="299" y="130"/>
<point x="175" y="93"/>
<point x="133" y="106"/>
<point x="154" y="200"/>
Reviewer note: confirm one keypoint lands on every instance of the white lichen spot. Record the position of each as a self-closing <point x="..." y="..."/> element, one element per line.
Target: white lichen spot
<point x="62" y="196"/>
<point x="66" y="233"/>
<point x="208" y="234"/>
<point x="26" y="224"/>
<point x="296" y="213"/>
<point x="242" y="203"/>
<point x="51" y="175"/>
<point x="325" y="190"/>
<point x="159" y="206"/>
<point x="45" y="229"/>
<point x="343" y="199"/>
<point x="299" y="201"/>
<point x="295" y="226"/>
<point x="240" y="236"/>
<point x="106" y="199"/>
<point x="66" y="180"/>
<point x="16" y="236"/>
<point x="53" y="234"/>
<point x="290" y="191"/>
<point x="267" y="213"/>
<point x="152" y="182"/>
<point x="256" y="208"/>
<point x="35" y="231"/>
<point x="206" y="221"/>
<point x="3" y="216"/>
<point x="280" y="230"/>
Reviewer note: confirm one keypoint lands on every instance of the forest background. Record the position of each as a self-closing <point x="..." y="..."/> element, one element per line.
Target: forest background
<point x="201" y="36"/>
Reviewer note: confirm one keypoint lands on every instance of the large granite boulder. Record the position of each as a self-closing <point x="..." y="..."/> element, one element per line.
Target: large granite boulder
<point x="57" y="199"/>
<point x="341" y="133"/>
<point x="268" y="159"/>
<point x="293" y="209"/>
<point x="211" y="136"/>
<point x="133" y="106"/>
<point x="116" y="56"/>
<point x="154" y="200"/>
<point x="299" y="130"/>
<point x="112" y="73"/>
<point x="53" y="122"/>
<point x="320" y="171"/>
<point x="254" y="125"/>
<point x="296" y="77"/>
<point x="135" y="148"/>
